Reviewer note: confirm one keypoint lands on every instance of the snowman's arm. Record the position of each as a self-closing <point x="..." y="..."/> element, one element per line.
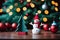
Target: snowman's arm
<point x="31" y="23"/>
<point x="41" y="24"/>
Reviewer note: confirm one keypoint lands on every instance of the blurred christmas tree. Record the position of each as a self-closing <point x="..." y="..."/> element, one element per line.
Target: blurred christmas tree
<point x="47" y="9"/>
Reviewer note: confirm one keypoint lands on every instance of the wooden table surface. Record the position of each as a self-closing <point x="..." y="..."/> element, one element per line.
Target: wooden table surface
<point x="42" y="35"/>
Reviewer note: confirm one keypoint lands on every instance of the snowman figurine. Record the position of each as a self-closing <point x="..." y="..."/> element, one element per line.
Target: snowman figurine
<point x="36" y="25"/>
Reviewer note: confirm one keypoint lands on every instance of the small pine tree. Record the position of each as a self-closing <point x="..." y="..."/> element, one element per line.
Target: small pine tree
<point x="21" y="25"/>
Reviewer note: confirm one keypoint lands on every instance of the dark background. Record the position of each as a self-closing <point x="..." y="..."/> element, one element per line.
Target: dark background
<point x="1" y="2"/>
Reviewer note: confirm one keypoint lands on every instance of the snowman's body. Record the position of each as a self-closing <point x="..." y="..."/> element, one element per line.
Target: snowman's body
<point x="35" y="29"/>
<point x="36" y="25"/>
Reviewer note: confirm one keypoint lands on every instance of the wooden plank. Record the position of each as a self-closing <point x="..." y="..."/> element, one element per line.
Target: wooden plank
<point x="43" y="35"/>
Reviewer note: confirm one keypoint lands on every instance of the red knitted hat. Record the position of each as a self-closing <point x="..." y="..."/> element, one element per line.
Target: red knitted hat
<point x="36" y="16"/>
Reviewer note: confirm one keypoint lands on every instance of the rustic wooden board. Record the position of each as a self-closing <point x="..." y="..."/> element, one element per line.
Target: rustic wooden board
<point x="42" y="35"/>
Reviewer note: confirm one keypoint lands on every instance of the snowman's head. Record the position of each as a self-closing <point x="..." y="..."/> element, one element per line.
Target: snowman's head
<point x="36" y="20"/>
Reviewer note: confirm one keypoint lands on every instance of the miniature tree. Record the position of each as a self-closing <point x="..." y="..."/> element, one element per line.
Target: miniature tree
<point x="21" y="25"/>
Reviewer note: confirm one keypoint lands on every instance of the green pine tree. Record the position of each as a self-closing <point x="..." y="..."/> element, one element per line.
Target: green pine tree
<point x="21" y="25"/>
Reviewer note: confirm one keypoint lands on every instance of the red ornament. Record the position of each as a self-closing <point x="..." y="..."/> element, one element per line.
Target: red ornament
<point x="14" y="26"/>
<point x="28" y="5"/>
<point x="8" y="25"/>
<point x="26" y="14"/>
<point x="21" y="1"/>
<point x="2" y="26"/>
<point x="46" y="27"/>
<point x="54" y="29"/>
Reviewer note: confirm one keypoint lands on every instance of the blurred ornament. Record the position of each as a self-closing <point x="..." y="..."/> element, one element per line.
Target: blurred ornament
<point x="21" y="1"/>
<point x="45" y="19"/>
<point x="27" y="14"/>
<point x="2" y="26"/>
<point x="28" y="5"/>
<point x="11" y="7"/>
<point x="46" y="12"/>
<point x="18" y="9"/>
<point x="25" y="17"/>
<point x="7" y="10"/>
<point x="54" y="27"/>
<point x="42" y="0"/>
<point x="14" y="26"/>
<point x="44" y="6"/>
<point x="56" y="9"/>
<point x="24" y="8"/>
<point x="56" y="4"/>
<point x="1" y="10"/>
<point x="32" y="5"/>
<point x="10" y="13"/>
<point x="16" y="4"/>
<point x="8" y="25"/>
<point x="53" y="2"/>
<point x="39" y="11"/>
<point x="46" y="27"/>
<point x="28" y="0"/>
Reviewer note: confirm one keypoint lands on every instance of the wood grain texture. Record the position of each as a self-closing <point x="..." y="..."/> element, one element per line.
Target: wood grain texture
<point x="42" y="35"/>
